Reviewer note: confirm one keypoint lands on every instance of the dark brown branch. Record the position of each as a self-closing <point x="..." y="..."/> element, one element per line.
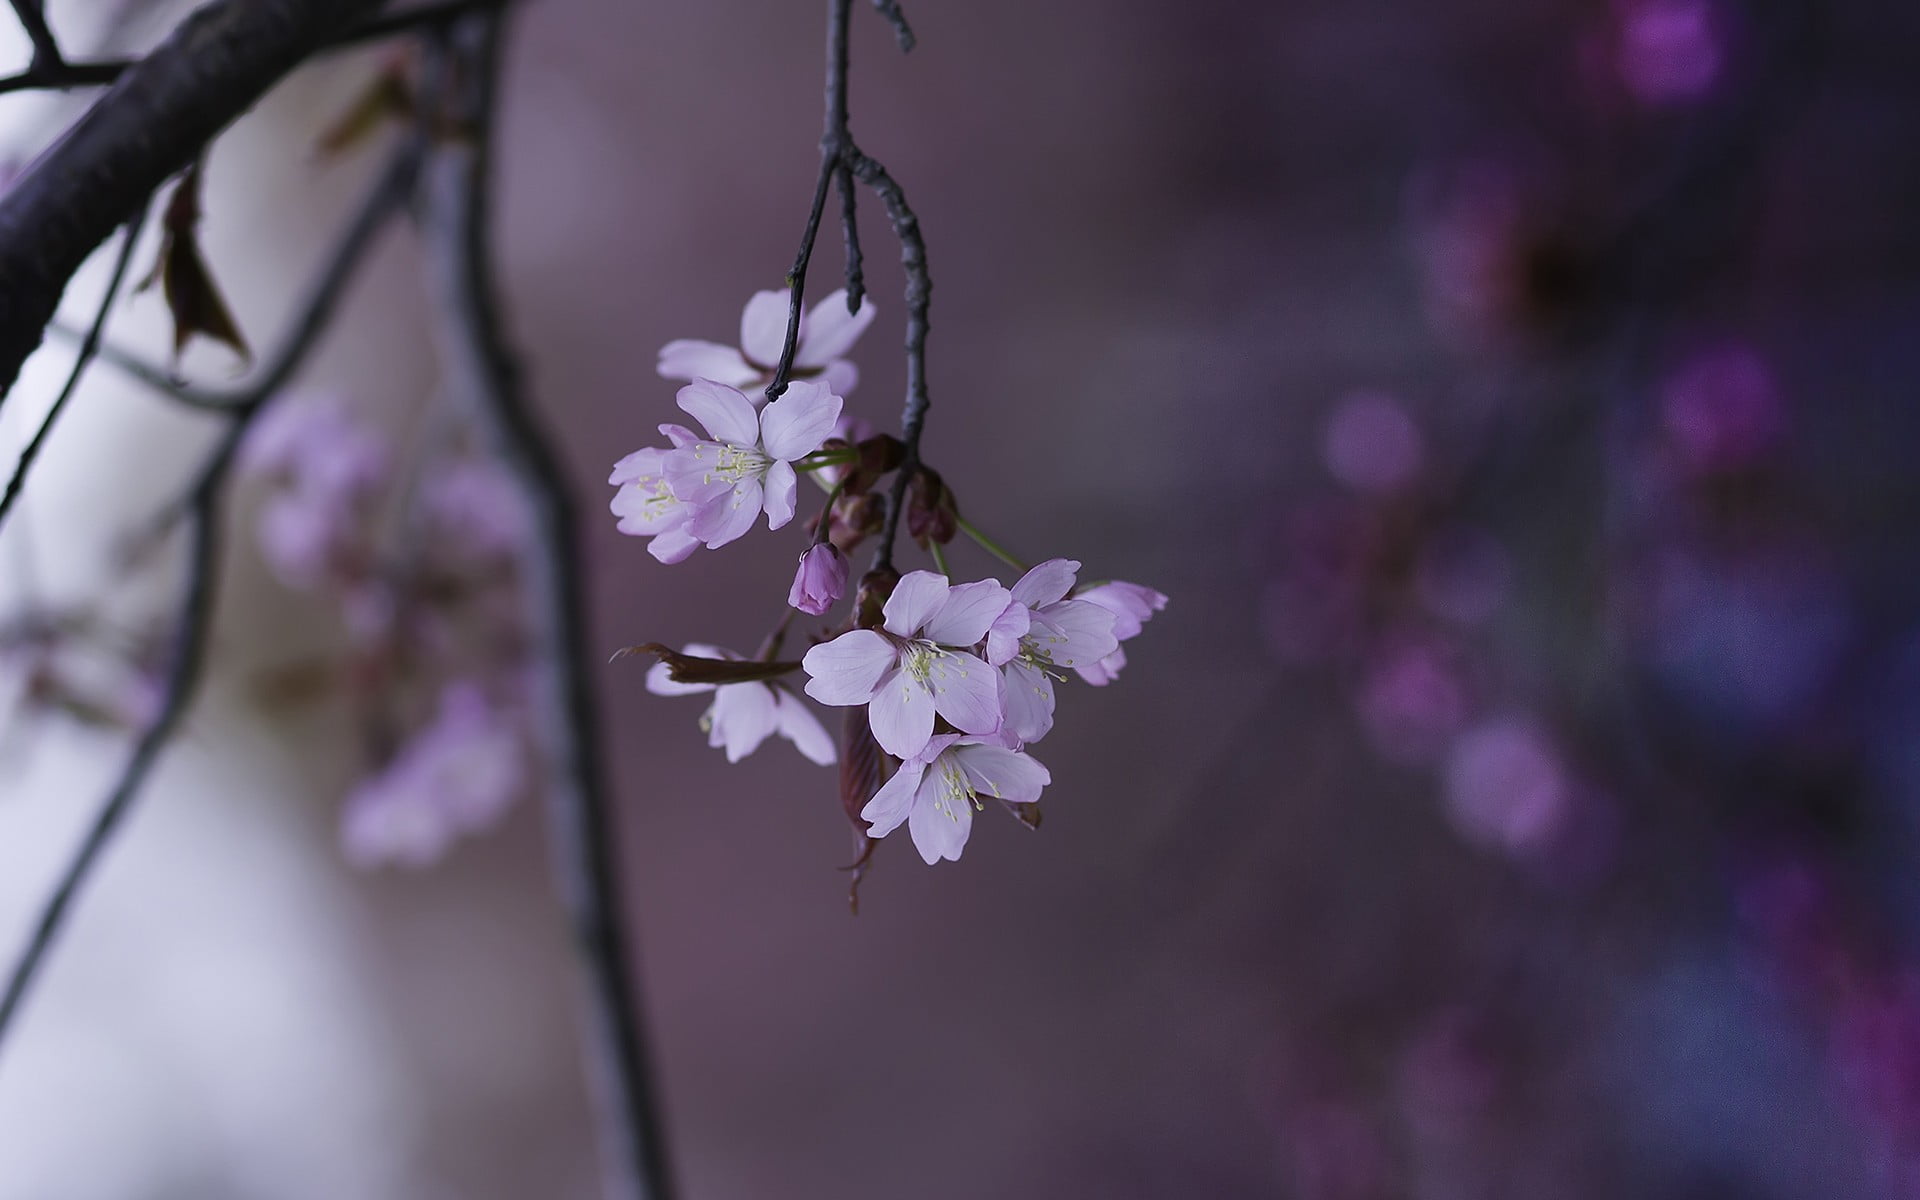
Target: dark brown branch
<point x="150" y="125"/>
<point x="482" y="368"/>
<point x="46" y="51"/>
<point x="88" y="345"/>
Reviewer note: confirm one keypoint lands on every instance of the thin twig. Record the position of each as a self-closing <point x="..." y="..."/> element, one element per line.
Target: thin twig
<point x="88" y="345"/>
<point x="850" y="237"/>
<point x="902" y="32"/>
<point x="454" y="224"/>
<point x="183" y="677"/>
<point x="46" y="50"/>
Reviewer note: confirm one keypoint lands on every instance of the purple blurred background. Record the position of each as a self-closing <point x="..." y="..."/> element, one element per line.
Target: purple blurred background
<point x="1516" y="798"/>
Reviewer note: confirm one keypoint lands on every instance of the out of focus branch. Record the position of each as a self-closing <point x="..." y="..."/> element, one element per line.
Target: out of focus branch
<point x="454" y="226"/>
<point x="89" y="344"/>
<point x="160" y="113"/>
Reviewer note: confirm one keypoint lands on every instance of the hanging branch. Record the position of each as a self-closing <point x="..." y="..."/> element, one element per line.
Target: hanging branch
<point x="842" y="159"/>
<point x="454" y="227"/>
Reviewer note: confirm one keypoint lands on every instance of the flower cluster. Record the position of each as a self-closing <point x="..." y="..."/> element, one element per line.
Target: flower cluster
<point x="425" y="576"/>
<point x="956" y="681"/>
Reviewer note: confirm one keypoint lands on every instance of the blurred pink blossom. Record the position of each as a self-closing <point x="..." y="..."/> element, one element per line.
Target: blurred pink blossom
<point x="1506" y="787"/>
<point x="1722" y="409"/>
<point x="455" y="776"/>
<point x="1667" y="51"/>
<point x="1372" y="445"/>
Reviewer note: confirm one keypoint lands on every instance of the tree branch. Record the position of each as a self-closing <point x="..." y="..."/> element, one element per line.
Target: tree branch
<point x="454" y="222"/>
<point x="160" y="113"/>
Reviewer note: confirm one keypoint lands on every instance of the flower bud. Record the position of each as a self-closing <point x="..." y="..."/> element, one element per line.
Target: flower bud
<point x="932" y="513"/>
<point x="856" y="518"/>
<point x="869" y="604"/>
<point x="820" y="580"/>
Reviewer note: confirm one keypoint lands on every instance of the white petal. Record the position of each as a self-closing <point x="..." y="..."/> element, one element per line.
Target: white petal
<point x="891" y="804"/>
<point x="970" y="610"/>
<point x="727" y="415"/>
<point x="1029" y="702"/>
<point x="743" y="717"/>
<point x="690" y="360"/>
<point x="662" y="684"/>
<point x="728" y="517"/>
<point x="939" y="823"/>
<point x="915" y="599"/>
<point x="1074" y="632"/>
<point x="1046" y="583"/>
<point x="763" y="327"/>
<point x="1002" y="774"/>
<point x="675" y="545"/>
<point x="778" y="494"/>
<point x="798" y="725"/>
<point x="799" y="420"/>
<point x="830" y="330"/>
<point x="847" y="669"/>
<point x="966" y="691"/>
<point x="901" y="714"/>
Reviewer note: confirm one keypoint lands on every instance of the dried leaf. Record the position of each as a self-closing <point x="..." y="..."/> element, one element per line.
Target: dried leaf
<point x="691" y="668"/>
<point x="195" y="300"/>
<point x="862" y="769"/>
<point x="388" y="97"/>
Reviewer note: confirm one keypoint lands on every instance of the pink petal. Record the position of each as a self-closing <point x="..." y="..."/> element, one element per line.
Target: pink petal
<point x="727" y="415"/>
<point x="1003" y="636"/>
<point x="675" y="545"/>
<point x="778" y="494"/>
<point x="901" y="714"/>
<point x="939" y="823"/>
<point x="796" y="722"/>
<point x="1105" y="671"/>
<point x="915" y="599"/>
<point x="1030" y="702"/>
<point x="970" y="610"/>
<point x="743" y="717"/>
<point x="661" y="684"/>
<point x="638" y="465"/>
<point x="727" y="518"/>
<point x="1046" y="583"/>
<point x="799" y="420"/>
<point x="840" y="377"/>
<point x="891" y="804"/>
<point x="1002" y="774"/>
<point x="763" y="327"/>
<point x="689" y="359"/>
<point x="1074" y="632"/>
<point x="830" y="330"/>
<point x="679" y="435"/>
<point x="847" y="669"/>
<point x="967" y="692"/>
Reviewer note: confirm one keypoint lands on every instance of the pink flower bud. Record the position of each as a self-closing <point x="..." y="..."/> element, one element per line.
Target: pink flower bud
<point x="820" y="581"/>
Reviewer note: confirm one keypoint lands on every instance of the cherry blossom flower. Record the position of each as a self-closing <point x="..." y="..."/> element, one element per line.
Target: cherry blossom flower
<point x="747" y="467"/>
<point x="474" y="511"/>
<point x="645" y="503"/>
<point x="917" y="663"/>
<point x="820" y="580"/>
<point x="743" y="715"/>
<point x="1132" y="606"/>
<point x="827" y="332"/>
<point x="1040" y="634"/>
<point x="936" y="792"/>
<point x="330" y="469"/>
<point x="456" y="776"/>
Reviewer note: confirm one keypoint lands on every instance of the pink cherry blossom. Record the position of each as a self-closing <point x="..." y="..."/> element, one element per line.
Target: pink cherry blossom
<point x="1132" y="606"/>
<point x="1041" y="634"/>
<point x="456" y="776"/>
<point x="330" y="469"/>
<point x="936" y="792"/>
<point x="918" y="663"/>
<point x="820" y="580"/>
<point x="827" y="332"/>
<point x="473" y="511"/>
<point x="743" y="715"/>
<point x="747" y="467"/>
<point x="645" y="503"/>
